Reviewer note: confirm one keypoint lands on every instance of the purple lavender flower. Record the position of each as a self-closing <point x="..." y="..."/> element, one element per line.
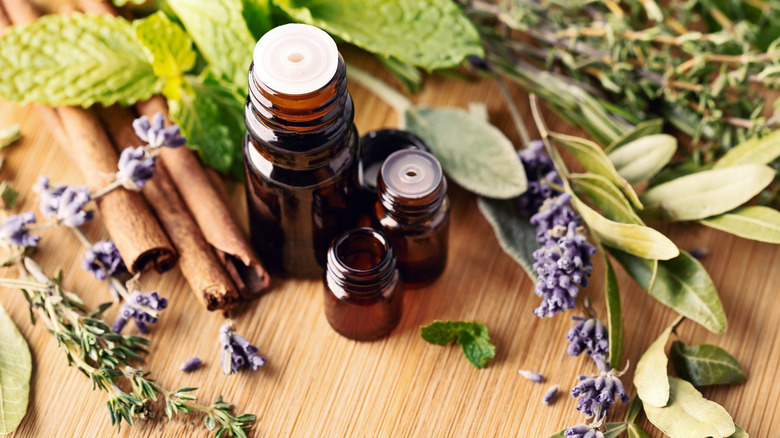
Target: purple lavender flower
<point x="135" y="168"/>
<point x="64" y="203"/>
<point x="538" y="166"/>
<point x="588" y="335"/>
<point x="598" y="393"/>
<point x="583" y="431"/>
<point x="563" y="267"/>
<point x="103" y="260"/>
<point x="191" y="364"/>
<point x="531" y="375"/>
<point x="15" y="231"/>
<point x="553" y="218"/>
<point x="550" y="395"/>
<point x="155" y="133"/>
<point x="142" y="308"/>
<point x="237" y="352"/>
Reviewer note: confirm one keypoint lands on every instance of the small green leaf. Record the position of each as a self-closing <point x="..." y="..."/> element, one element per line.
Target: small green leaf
<point x="756" y="150"/>
<point x="635" y="431"/>
<point x="98" y="60"/>
<point x="15" y="371"/>
<point x="739" y="433"/>
<point x="682" y="283"/>
<point x="516" y="236"/>
<point x="258" y="16"/>
<point x="8" y="195"/>
<point x="430" y="34"/>
<point x="705" y="365"/>
<point x="472" y="336"/>
<point x="633" y="409"/>
<point x="169" y="48"/>
<point x="754" y="223"/>
<point x="614" y="430"/>
<point x="605" y="196"/>
<point x="474" y="153"/>
<point x="689" y="415"/>
<point x="596" y="161"/>
<point x="643" y="129"/>
<point x="650" y="377"/>
<point x="707" y="193"/>
<point x="614" y="315"/>
<point x="9" y="136"/>
<point x="641" y="159"/>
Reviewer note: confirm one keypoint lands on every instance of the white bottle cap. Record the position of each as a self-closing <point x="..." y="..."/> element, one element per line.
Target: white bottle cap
<point x="411" y="173"/>
<point x="295" y="59"/>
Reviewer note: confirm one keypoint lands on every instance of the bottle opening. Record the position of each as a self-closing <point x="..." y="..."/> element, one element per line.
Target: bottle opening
<point x="412" y="174"/>
<point x="363" y="249"/>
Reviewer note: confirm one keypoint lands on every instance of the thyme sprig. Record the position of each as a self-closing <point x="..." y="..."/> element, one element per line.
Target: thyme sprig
<point x="109" y="359"/>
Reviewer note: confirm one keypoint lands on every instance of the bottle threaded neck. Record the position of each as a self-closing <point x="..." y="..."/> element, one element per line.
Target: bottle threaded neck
<point x="361" y="261"/>
<point x="411" y="184"/>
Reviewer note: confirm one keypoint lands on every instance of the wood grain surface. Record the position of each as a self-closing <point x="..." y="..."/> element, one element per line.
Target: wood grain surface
<point x="317" y="383"/>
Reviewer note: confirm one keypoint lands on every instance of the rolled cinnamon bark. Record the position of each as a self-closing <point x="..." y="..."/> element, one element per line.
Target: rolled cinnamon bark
<point x="197" y="261"/>
<point x="131" y="225"/>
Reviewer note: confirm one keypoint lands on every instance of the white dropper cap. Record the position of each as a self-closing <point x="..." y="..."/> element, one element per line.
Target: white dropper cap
<point x="295" y="59"/>
<point x="412" y="173"/>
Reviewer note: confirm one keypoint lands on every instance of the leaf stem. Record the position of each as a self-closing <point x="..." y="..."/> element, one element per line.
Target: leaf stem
<point x="393" y="98"/>
<point x="513" y="111"/>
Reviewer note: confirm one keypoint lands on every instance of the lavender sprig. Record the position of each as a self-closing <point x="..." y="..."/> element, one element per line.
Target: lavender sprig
<point x="588" y="335"/>
<point x="237" y="352"/>
<point x="136" y="167"/>
<point x="155" y="133"/>
<point x="598" y="393"/>
<point x="539" y="172"/>
<point x="143" y="308"/>
<point x="102" y="260"/>
<point x="583" y="431"/>
<point x="15" y="230"/>
<point x="64" y="203"/>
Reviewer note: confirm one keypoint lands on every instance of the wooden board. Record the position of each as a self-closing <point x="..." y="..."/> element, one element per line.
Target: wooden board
<point x="317" y="383"/>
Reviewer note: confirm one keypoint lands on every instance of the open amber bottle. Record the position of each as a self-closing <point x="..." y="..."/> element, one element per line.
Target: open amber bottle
<point x="300" y="151"/>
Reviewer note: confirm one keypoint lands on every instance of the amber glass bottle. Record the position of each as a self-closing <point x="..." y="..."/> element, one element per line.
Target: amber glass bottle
<point x="300" y="151"/>
<point x="413" y="211"/>
<point x="363" y="288"/>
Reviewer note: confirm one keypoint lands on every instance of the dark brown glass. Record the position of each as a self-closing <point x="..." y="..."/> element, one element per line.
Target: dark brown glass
<point x="418" y="230"/>
<point x="363" y="288"/>
<point x="300" y="191"/>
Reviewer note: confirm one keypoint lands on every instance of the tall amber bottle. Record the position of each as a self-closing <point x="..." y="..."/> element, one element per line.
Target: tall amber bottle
<point x="300" y="151"/>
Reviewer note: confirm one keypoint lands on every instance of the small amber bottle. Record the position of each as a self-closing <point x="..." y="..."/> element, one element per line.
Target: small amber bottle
<point x="413" y="211"/>
<point x="363" y="288"/>
<point x="300" y="151"/>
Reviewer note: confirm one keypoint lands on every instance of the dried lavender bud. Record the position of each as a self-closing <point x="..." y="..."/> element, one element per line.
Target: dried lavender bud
<point x="699" y="253"/>
<point x="553" y="218"/>
<point x="135" y="168"/>
<point x="538" y="166"/>
<point x="155" y="133"/>
<point x="588" y="335"/>
<point x="563" y="267"/>
<point x="142" y="308"/>
<point x="598" y="393"/>
<point x="15" y="231"/>
<point x="583" y="431"/>
<point x="64" y="203"/>
<point x="191" y="365"/>
<point x="103" y="260"/>
<point x="531" y="375"/>
<point x="550" y="394"/>
<point x="237" y="352"/>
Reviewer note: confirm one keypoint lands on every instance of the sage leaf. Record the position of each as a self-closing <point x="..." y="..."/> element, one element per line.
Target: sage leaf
<point x="596" y="161"/>
<point x="681" y="283"/>
<point x="650" y="376"/>
<point x="755" y="150"/>
<point x="635" y="431"/>
<point x="643" y="129"/>
<point x="430" y="34"/>
<point x="635" y="239"/>
<point x="705" y="365"/>
<point x="516" y="236"/>
<point x="739" y="433"/>
<point x="641" y="159"/>
<point x="221" y="34"/>
<point x="614" y="315"/>
<point x="605" y="196"/>
<point x="98" y="60"/>
<point x="169" y="48"/>
<point x="689" y="415"/>
<point x="15" y="371"/>
<point x="707" y="193"/>
<point x="754" y="223"/>
<point x="474" y="153"/>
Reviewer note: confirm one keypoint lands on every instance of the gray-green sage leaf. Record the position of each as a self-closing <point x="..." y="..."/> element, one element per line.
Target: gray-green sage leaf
<point x="642" y="158"/>
<point x="754" y="223"/>
<point x="705" y="364"/>
<point x="15" y="371"/>
<point x="516" y="236"/>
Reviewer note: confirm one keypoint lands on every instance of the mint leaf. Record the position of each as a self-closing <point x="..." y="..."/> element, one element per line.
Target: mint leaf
<point x="75" y="60"/>
<point x="211" y="115"/>
<point x="169" y="48"/>
<point x="426" y="33"/>
<point x="221" y="34"/>
<point x="257" y="15"/>
<point x="472" y="336"/>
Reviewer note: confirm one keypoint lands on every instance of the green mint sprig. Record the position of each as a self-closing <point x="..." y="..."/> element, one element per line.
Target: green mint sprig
<point x="472" y="336"/>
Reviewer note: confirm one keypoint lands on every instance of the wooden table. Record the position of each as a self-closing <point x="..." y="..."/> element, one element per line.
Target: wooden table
<point x="317" y="383"/>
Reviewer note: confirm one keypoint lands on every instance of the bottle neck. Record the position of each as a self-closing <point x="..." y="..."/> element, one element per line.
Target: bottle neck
<point x="361" y="263"/>
<point x="404" y="209"/>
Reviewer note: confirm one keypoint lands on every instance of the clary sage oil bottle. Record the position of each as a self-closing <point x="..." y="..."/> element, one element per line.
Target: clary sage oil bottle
<point x="300" y="151"/>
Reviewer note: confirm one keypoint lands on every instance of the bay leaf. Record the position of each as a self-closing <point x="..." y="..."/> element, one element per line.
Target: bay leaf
<point x="705" y="364"/>
<point x="682" y="283"/>
<point x="15" y="371"/>
<point x="595" y="160"/>
<point x="644" y="157"/>
<point x="706" y="193"/>
<point x="648" y="127"/>
<point x="635" y="431"/>
<point x="516" y="236"/>
<point x="614" y="314"/>
<point x="755" y="150"/>
<point x="689" y="414"/>
<point x="474" y="153"/>
<point x="632" y="238"/>
<point x="605" y="196"/>
<point x="650" y="376"/>
<point x="739" y="433"/>
<point x="754" y="223"/>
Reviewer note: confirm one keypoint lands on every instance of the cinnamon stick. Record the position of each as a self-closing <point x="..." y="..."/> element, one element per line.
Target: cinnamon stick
<point x="197" y="261"/>
<point x="129" y="222"/>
